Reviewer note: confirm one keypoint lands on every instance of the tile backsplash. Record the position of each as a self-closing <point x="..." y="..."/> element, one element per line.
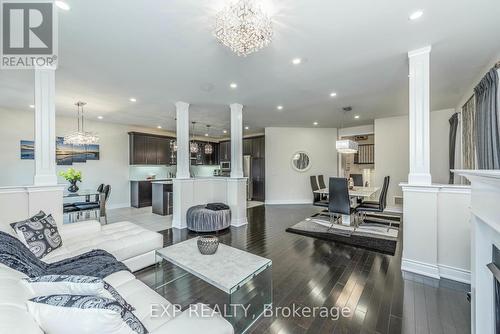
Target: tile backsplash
<point x="163" y="172"/>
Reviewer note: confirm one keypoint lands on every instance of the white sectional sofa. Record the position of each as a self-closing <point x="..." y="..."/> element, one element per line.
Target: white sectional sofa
<point x="129" y="243"/>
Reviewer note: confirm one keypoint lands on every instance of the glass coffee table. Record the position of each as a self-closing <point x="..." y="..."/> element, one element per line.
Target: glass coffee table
<point x="244" y="279"/>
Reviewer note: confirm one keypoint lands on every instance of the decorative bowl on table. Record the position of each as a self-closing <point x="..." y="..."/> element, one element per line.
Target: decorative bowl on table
<point x="207" y="245"/>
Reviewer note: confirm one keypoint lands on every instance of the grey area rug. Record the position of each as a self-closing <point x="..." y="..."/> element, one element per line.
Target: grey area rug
<point x="377" y="238"/>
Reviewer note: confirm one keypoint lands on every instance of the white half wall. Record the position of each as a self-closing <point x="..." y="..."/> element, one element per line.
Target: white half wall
<point x="436" y="231"/>
<point x="284" y="185"/>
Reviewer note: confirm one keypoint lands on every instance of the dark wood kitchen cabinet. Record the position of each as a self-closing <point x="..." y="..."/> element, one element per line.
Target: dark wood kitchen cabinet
<point x="149" y="149"/>
<point x="141" y="194"/>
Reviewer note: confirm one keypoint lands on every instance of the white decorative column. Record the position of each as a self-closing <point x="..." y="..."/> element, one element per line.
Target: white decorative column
<point x="182" y="111"/>
<point x="419" y="109"/>
<point x="237" y="184"/>
<point x="45" y="128"/>
<point x="182" y="184"/>
<point x="236" y="140"/>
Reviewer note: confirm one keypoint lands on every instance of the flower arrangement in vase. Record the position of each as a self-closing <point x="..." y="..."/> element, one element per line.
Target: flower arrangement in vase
<point x="72" y="176"/>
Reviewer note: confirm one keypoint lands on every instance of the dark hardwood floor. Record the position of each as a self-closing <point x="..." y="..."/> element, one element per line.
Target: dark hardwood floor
<point x="315" y="273"/>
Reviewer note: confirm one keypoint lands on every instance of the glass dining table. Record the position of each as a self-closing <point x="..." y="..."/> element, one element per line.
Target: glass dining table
<point x="86" y="195"/>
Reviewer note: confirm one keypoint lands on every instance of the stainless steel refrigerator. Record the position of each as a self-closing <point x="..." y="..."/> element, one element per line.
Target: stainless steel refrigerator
<point x="247" y="172"/>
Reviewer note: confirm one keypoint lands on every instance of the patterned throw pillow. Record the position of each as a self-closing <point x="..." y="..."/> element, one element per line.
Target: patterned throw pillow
<point x="74" y="285"/>
<point x="83" y="314"/>
<point x="39" y="233"/>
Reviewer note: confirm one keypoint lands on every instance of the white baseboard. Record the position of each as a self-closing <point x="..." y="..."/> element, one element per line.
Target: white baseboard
<point x="288" y="202"/>
<point x="455" y="274"/>
<point x="239" y="222"/>
<point x="420" y="268"/>
<point x="436" y="271"/>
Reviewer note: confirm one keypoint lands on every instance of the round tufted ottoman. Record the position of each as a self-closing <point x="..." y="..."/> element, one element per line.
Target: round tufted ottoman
<point x="201" y="219"/>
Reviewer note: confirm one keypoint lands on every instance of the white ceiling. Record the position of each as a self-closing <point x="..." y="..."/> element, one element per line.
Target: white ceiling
<point x="161" y="52"/>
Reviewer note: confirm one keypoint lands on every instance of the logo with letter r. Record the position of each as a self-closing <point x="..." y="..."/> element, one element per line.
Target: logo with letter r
<point x="27" y="28"/>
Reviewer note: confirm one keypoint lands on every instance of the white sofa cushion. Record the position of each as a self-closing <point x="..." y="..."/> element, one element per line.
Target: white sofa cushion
<point x="192" y="321"/>
<point x="124" y="240"/>
<point x="62" y="314"/>
<point x="143" y="299"/>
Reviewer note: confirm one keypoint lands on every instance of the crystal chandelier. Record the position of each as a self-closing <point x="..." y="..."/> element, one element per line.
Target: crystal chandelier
<point x="243" y="27"/>
<point x="345" y="146"/>
<point x="208" y="147"/>
<point x="193" y="147"/>
<point x="81" y="137"/>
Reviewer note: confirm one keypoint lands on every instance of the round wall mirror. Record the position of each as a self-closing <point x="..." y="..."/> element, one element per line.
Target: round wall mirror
<point x="301" y="161"/>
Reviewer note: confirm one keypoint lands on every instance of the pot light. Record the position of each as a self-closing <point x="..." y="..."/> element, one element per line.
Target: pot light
<point x="32" y="106"/>
<point x="296" y="61"/>
<point x="356" y="117"/>
<point x="315" y="123"/>
<point x="333" y="94"/>
<point x="100" y="117"/>
<point x="416" y="15"/>
<point x="233" y="85"/>
<point x="158" y="127"/>
<point x="132" y="99"/>
<point x="224" y="131"/>
<point x="63" y="5"/>
<point x="246" y="127"/>
<point x="279" y="107"/>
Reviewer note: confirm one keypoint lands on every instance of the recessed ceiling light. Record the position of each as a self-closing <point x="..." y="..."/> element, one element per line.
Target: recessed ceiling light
<point x="279" y="107"/>
<point x="100" y="117"/>
<point x="296" y="61"/>
<point x="159" y="127"/>
<point x="63" y="5"/>
<point x="416" y="15"/>
<point x="233" y="85"/>
<point x="356" y="117"/>
<point x="32" y="106"/>
<point x="333" y="94"/>
<point x="246" y="127"/>
<point x="224" y="131"/>
<point x="132" y="99"/>
<point x="315" y="123"/>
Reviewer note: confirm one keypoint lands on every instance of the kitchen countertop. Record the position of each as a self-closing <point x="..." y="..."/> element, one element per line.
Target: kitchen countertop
<point x="151" y="180"/>
<point x="162" y="182"/>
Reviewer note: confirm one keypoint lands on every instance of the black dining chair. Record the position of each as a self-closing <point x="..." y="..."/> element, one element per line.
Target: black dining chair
<point x="339" y="202"/>
<point x="381" y="204"/>
<point x="376" y="207"/>
<point x="96" y="206"/>
<point x="317" y="201"/>
<point x="357" y="179"/>
<point x="321" y="182"/>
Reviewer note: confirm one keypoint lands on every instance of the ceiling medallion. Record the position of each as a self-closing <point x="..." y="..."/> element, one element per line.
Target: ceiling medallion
<point x="243" y="27"/>
<point x="81" y="137"/>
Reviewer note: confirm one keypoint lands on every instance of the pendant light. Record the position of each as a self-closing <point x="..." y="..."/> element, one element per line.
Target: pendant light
<point x="208" y="147"/>
<point x="193" y="147"/>
<point x="345" y="146"/>
<point x="80" y="136"/>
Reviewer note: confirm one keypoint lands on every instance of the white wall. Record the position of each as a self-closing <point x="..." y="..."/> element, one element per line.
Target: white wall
<point x="392" y="151"/>
<point x="391" y="154"/>
<point x="284" y="185"/>
<point x="112" y="168"/>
